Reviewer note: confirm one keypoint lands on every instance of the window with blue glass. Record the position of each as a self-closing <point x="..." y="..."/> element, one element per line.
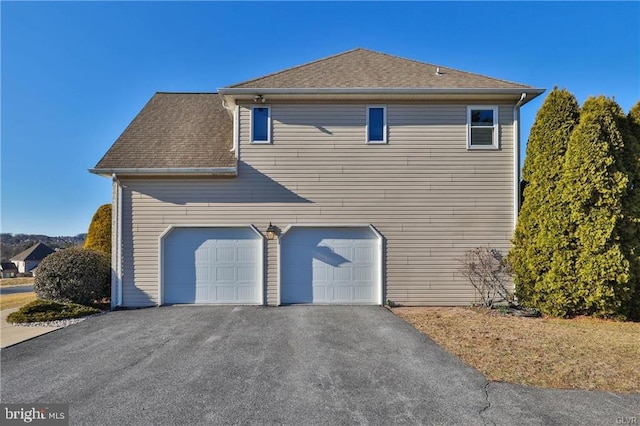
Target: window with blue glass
<point x="260" y="124"/>
<point x="376" y="124"/>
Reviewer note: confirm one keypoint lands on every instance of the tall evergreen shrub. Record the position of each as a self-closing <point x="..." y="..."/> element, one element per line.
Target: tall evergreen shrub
<point x="591" y="269"/>
<point x="633" y="135"/>
<point x="535" y="236"/>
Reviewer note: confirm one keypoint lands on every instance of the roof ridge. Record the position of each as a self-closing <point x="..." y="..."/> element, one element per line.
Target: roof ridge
<point x="449" y="68"/>
<point x="388" y="55"/>
<point x="298" y="66"/>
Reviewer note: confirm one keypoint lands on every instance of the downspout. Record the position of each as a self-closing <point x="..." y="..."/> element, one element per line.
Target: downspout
<point x="116" y="246"/>
<point x="516" y="159"/>
<point x="234" y="110"/>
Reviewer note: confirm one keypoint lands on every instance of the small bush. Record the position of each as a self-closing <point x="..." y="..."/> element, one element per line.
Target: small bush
<point x="48" y="310"/>
<point x="74" y="275"/>
<point x="488" y="273"/>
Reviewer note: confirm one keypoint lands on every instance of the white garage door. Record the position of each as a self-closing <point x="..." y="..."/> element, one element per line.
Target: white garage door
<point x="330" y="265"/>
<point x="212" y="265"/>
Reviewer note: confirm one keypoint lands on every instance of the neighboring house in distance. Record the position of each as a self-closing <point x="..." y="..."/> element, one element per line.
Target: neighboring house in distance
<point x="374" y="173"/>
<point x="8" y="270"/>
<point x="31" y="257"/>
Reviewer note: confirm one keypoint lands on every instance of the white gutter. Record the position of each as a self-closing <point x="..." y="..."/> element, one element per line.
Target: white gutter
<point x="167" y="171"/>
<point x="516" y="158"/>
<point x="116" y="247"/>
<point x="376" y="90"/>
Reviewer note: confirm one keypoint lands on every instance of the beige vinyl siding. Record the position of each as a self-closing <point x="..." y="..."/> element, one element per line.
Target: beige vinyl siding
<point x="430" y="197"/>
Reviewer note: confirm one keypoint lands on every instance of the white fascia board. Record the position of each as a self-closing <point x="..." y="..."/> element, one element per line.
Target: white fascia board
<point x="167" y="171"/>
<point x="233" y="93"/>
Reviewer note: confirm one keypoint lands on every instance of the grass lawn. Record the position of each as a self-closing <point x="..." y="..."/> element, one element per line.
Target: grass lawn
<point x="16" y="281"/>
<point x="8" y="301"/>
<point x="580" y="353"/>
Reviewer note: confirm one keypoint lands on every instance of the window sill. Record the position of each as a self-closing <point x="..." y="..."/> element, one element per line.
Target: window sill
<point x="483" y="148"/>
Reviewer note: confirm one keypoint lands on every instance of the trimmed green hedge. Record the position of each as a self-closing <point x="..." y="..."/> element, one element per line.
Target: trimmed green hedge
<point x="48" y="310"/>
<point x="74" y="275"/>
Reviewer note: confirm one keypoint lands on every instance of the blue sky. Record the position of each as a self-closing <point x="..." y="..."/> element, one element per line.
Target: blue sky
<point x="75" y="74"/>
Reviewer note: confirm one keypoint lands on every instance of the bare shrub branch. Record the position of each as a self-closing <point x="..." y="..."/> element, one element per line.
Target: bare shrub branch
<point x="488" y="272"/>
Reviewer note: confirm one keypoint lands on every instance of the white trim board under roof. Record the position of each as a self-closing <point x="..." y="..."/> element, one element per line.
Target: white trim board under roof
<point x="175" y="171"/>
<point x="233" y="96"/>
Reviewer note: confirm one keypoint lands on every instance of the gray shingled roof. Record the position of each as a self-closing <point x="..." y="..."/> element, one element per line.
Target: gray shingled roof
<point x="362" y="68"/>
<point x="36" y="252"/>
<point x="175" y="130"/>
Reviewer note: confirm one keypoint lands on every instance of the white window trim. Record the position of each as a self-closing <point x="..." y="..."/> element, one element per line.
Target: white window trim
<point x="268" y="141"/>
<point x="496" y="142"/>
<point x="384" y="125"/>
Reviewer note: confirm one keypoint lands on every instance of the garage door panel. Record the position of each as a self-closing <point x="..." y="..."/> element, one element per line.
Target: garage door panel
<point x="362" y="254"/>
<point x="246" y="254"/>
<point x="202" y="293"/>
<point x="225" y="293"/>
<point x="342" y="274"/>
<point x="246" y="292"/>
<point x="297" y="254"/>
<point x="343" y="292"/>
<point x="203" y="254"/>
<point x="320" y="273"/>
<point x="319" y="293"/>
<point x="246" y="274"/>
<point x="363" y="273"/>
<point x="202" y="273"/>
<point x="225" y="275"/>
<point x="330" y="265"/>
<point x="362" y="293"/>
<point x="212" y="265"/>
<point x="225" y="254"/>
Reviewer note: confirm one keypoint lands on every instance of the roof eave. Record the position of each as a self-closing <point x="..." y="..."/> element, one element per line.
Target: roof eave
<point x="248" y="93"/>
<point x="167" y="171"/>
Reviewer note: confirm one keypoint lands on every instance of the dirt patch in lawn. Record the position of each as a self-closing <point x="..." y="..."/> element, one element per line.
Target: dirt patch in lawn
<point x="15" y="300"/>
<point x="580" y="353"/>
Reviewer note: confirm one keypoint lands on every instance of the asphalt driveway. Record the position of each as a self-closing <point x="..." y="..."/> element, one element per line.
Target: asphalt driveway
<point x="289" y="365"/>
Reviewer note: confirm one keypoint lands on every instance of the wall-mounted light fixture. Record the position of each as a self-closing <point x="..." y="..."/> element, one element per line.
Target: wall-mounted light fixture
<point x="258" y="99"/>
<point x="271" y="232"/>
